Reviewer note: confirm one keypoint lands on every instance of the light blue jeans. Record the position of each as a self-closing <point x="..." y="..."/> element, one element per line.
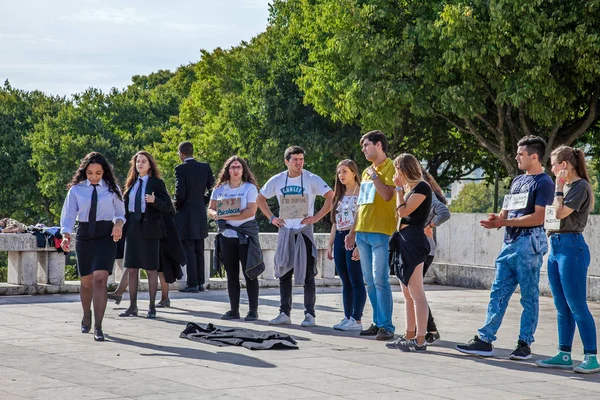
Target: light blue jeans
<point x="373" y="250"/>
<point x="568" y="264"/>
<point x="519" y="263"/>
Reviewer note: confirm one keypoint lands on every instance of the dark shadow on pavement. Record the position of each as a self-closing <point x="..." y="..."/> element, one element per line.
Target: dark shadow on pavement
<point x="192" y="353"/>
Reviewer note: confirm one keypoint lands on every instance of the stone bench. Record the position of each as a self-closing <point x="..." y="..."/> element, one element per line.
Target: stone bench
<point x="30" y="266"/>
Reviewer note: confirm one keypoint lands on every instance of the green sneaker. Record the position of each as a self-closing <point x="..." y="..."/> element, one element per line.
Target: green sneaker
<point x="589" y="365"/>
<point x="562" y="360"/>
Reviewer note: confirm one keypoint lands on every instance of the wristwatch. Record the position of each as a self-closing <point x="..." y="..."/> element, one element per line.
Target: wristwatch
<point x="374" y="176"/>
<point x="399" y="189"/>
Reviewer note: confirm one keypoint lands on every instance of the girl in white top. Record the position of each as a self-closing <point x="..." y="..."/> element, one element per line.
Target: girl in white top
<point x="233" y="200"/>
<point x="347" y="264"/>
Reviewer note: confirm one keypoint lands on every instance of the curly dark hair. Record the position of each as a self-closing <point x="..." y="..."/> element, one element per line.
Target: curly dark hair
<point x="224" y="177"/>
<point x="108" y="174"/>
<point x="132" y="174"/>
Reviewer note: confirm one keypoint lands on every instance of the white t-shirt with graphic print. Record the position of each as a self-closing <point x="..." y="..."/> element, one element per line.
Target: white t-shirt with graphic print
<point x="247" y="193"/>
<point x="307" y="183"/>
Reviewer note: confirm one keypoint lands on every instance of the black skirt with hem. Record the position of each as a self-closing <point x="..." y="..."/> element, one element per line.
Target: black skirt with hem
<point x="95" y="252"/>
<point x="407" y="249"/>
<point x="140" y="252"/>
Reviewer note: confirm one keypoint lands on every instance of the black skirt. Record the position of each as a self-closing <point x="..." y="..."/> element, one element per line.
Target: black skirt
<point x="140" y="252"/>
<point x="95" y="252"/>
<point x="407" y="249"/>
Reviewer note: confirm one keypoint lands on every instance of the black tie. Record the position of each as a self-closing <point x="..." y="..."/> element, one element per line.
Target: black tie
<point x="92" y="215"/>
<point x="137" y="205"/>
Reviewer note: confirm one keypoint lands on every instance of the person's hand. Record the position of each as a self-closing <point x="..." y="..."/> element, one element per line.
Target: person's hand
<point x="560" y="180"/>
<point x="429" y="231"/>
<point x="309" y="220"/>
<point x="117" y="232"/>
<point x="278" y="222"/>
<point x="330" y="253"/>
<point x="493" y="221"/>
<point x="355" y="254"/>
<point x="398" y="181"/>
<point x="150" y="198"/>
<point x="371" y="170"/>
<point x="65" y="244"/>
<point x="350" y="241"/>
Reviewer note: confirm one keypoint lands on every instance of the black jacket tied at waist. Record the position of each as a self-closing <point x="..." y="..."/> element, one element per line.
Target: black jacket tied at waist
<point x="247" y="233"/>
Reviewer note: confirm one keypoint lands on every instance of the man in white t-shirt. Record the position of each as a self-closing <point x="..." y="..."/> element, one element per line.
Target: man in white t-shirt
<point x="296" y="190"/>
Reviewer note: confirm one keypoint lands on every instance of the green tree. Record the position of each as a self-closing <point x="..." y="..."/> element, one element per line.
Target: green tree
<point x="478" y="197"/>
<point x="495" y="71"/>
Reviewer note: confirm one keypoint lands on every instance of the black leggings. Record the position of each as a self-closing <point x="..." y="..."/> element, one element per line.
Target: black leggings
<point x="232" y="253"/>
<point x="431" y="327"/>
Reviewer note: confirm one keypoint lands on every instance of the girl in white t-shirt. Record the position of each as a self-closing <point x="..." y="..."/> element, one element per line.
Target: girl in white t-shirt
<point x="234" y="200"/>
<point x="347" y="264"/>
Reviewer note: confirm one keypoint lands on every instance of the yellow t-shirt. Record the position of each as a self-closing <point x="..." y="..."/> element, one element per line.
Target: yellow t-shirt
<point x="380" y="215"/>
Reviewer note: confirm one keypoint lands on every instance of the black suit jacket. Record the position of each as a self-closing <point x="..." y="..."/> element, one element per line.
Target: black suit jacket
<point x="153" y="225"/>
<point x="193" y="180"/>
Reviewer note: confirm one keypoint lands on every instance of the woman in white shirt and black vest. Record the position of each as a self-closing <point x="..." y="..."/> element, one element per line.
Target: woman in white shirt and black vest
<point x="95" y="201"/>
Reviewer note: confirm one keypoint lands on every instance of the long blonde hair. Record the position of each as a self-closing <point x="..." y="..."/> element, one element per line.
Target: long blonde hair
<point x="410" y="167"/>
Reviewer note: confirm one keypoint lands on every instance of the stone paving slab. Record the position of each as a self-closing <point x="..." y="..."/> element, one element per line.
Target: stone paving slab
<point x="44" y="356"/>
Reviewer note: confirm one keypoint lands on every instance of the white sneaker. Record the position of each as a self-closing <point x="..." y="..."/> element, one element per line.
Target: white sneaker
<point x="352" y="325"/>
<point x="343" y="322"/>
<point x="281" y="319"/>
<point x="309" y="320"/>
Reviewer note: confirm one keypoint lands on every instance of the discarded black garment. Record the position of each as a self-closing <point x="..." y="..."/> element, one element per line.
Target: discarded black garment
<point x="248" y="338"/>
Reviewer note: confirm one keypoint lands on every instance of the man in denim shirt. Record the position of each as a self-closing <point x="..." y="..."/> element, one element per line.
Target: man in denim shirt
<point x="520" y="259"/>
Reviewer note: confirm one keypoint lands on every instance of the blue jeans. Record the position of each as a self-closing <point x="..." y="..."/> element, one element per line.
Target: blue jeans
<point x="354" y="294"/>
<point x="519" y="263"/>
<point x="568" y="263"/>
<point x="373" y="250"/>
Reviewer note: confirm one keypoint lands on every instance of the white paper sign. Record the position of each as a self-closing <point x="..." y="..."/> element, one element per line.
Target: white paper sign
<point x="231" y="206"/>
<point x="367" y="193"/>
<point x="551" y="223"/>
<point x="515" y="201"/>
<point x="293" y="206"/>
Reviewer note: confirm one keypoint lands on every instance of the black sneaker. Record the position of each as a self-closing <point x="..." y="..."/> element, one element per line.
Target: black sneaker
<point x="371" y="331"/>
<point x="251" y="316"/>
<point x="432" y="337"/>
<point x="477" y="347"/>
<point x="230" y="315"/>
<point x="521" y="352"/>
<point x="411" y="345"/>
<point x="384" y="334"/>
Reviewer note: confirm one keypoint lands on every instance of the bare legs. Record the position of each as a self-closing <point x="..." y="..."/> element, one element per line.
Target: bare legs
<point x="417" y="310"/>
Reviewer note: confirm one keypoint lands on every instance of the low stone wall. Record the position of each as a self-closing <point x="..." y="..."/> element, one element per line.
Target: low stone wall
<point x="466" y="254"/>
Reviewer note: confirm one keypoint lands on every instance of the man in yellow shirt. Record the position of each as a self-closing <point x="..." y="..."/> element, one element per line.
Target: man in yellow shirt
<point x="375" y="222"/>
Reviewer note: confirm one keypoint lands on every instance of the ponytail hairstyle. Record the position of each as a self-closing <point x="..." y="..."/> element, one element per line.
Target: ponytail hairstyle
<point x="340" y="189"/>
<point x="575" y="157"/>
<point x="437" y="190"/>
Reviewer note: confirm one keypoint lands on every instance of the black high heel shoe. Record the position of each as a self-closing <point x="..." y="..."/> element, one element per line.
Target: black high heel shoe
<point x="130" y="312"/>
<point x="115" y="297"/>
<point x="151" y="314"/>
<point x="86" y="328"/>
<point x="98" y="335"/>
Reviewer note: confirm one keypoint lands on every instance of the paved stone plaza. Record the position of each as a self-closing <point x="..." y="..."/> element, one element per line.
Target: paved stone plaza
<point x="44" y="356"/>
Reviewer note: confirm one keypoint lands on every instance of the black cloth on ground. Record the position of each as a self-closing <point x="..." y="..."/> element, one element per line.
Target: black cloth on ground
<point x="248" y="338"/>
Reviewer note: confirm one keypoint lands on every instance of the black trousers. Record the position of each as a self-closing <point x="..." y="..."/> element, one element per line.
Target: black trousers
<point x="310" y="291"/>
<point x="194" y="252"/>
<point x="431" y="327"/>
<point x="234" y="253"/>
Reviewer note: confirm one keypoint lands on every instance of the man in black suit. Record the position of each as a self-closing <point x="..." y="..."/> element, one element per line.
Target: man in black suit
<point x="193" y="180"/>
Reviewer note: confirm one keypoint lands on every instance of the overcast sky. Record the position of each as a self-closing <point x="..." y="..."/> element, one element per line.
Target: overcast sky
<point x="65" y="46"/>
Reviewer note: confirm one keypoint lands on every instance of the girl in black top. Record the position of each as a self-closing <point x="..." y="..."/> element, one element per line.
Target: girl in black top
<point x="409" y="248"/>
